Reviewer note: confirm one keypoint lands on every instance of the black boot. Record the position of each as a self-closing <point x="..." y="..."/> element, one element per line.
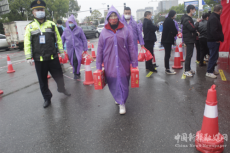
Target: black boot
<point x="76" y="76"/>
<point x="46" y="103"/>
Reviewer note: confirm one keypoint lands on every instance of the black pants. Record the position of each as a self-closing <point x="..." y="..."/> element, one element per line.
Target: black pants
<point x="75" y="62"/>
<point x="189" y="53"/>
<point x="168" y="48"/>
<point x="197" y="50"/>
<point x="54" y="67"/>
<point x="149" y="45"/>
<point x="203" y="49"/>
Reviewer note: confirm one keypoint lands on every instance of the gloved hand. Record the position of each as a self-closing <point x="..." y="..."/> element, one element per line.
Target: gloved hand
<point x="30" y="61"/>
<point x="62" y="55"/>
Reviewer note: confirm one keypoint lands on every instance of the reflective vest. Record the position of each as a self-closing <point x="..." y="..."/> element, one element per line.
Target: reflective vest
<point x="46" y="50"/>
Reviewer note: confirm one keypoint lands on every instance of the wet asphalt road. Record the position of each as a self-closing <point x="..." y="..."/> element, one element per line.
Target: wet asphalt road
<point x="89" y="120"/>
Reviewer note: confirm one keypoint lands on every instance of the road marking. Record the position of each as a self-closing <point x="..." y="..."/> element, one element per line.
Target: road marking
<point x="149" y="74"/>
<point x="223" y="78"/>
<point x="183" y="76"/>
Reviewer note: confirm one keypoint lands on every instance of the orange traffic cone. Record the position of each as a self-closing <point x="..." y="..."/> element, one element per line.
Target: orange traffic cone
<point x="1" y="92"/>
<point x="10" y="67"/>
<point x="177" y="62"/>
<point x="89" y="45"/>
<point x="181" y="53"/>
<point x="88" y="72"/>
<point x="48" y="76"/>
<point x="209" y="140"/>
<point x="93" y="52"/>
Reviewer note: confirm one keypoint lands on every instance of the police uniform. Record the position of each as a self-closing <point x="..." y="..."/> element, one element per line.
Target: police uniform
<point x="39" y="44"/>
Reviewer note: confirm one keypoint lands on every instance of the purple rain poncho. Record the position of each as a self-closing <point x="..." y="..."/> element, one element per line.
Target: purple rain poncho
<point x="176" y="24"/>
<point x="116" y="50"/>
<point x="137" y="35"/>
<point x="140" y="25"/>
<point x="75" y="42"/>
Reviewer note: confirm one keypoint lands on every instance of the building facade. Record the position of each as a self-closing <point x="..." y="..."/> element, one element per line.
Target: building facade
<point x="166" y="5"/>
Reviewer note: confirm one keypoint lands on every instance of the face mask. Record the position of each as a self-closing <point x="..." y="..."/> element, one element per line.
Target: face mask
<point x="152" y="17"/>
<point x="194" y="13"/>
<point x="59" y="25"/>
<point x="127" y="17"/>
<point x="71" y="25"/>
<point x="175" y="17"/>
<point x="113" y="21"/>
<point x="40" y="14"/>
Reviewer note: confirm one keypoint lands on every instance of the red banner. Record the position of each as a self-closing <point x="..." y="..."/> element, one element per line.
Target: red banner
<point x="225" y="21"/>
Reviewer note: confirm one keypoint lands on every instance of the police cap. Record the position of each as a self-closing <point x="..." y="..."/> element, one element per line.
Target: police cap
<point x="37" y="4"/>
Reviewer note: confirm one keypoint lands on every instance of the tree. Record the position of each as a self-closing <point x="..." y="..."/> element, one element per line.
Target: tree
<point x="212" y="3"/>
<point x="18" y="10"/>
<point x="73" y="8"/>
<point x="58" y="7"/>
<point x="96" y="14"/>
<point x="21" y="8"/>
<point x="161" y="16"/>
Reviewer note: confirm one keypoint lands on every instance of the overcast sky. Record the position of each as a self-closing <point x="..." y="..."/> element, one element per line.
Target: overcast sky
<point x="118" y="4"/>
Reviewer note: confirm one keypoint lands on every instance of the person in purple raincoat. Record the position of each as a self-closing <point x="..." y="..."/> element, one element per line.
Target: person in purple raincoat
<point x="131" y="24"/>
<point x="140" y="25"/>
<point x="76" y="43"/>
<point x="176" y="24"/>
<point x="116" y="50"/>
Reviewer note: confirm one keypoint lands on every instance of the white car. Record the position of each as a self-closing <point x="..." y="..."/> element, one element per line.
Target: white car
<point x="100" y="27"/>
<point x="3" y="43"/>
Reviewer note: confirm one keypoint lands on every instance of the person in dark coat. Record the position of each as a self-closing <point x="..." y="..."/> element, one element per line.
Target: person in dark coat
<point x="215" y="36"/>
<point x="60" y="30"/>
<point x="168" y="34"/>
<point x="202" y="30"/>
<point x="149" y="38"/>
<point x="189" y="37"/>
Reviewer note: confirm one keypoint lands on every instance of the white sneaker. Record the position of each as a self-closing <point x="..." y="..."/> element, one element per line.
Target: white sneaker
<point x="193" y="72"/>
<point x="211" y="75"/>
<point x="216" y="72"/>
<point x="188" y="74"/>
<point x="116" y="103"/>
<point x="168" y="71"/>
<point x="122" y="109"/>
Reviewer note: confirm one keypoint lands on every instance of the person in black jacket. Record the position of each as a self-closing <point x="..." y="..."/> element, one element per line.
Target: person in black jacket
<point x="60" y="30"/>
<point x="189" y="37"/>
<point x="202" y="29"/>
<point x="149" y="38"/>
<point x="215" y="36"/>
<point x="168" y="34"/>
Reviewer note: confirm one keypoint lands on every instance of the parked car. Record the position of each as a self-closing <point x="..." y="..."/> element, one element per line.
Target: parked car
<point x="3" y="43"/>
<point x="90" y="31"/>
<point x="100" y="27"/>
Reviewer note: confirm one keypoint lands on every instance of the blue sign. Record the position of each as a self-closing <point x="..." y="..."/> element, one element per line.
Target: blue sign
<point x="203" y="2"/>
<point x="195" y="3"/>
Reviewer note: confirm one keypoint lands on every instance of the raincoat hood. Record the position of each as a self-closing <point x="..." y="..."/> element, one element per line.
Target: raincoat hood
<point x="112" y="10"/>
<point x="72" y="19"/>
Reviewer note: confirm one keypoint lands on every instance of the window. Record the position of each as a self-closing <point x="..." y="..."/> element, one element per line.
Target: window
<point x="2" y="37"/>
<point x="84" y="28"/>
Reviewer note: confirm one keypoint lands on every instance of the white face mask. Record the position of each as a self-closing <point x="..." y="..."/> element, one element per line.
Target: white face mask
<point x="127" y="17"/>
<point x="40" y="14"/>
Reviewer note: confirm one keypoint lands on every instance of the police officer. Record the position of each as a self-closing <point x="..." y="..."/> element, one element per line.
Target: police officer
<point x="39" y="43"/>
